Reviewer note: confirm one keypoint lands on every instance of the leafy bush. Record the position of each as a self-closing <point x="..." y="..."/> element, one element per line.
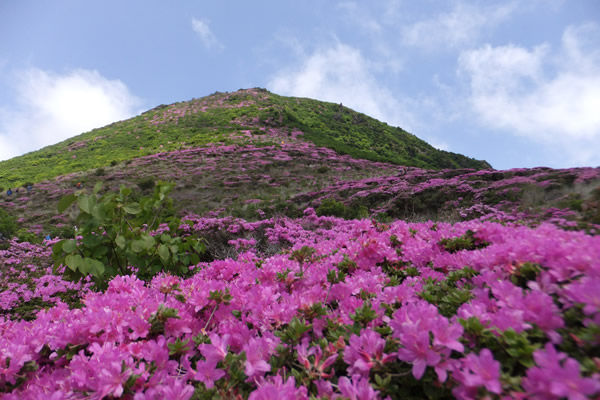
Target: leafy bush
<point x="574" y="201"/>
<point x="334" y="208"/>
<point x="23" y="235"/>
<point x="331" y="207"/>
<point x="8" y="224"/>
<point x="146" y="183"/>
<point x="117" y="236"/>
<point x="468" y="241"/>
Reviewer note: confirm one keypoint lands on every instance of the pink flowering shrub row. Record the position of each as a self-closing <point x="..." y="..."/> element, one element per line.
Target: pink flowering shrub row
<point x="27" y="282"/>
<point x="274" y="177"/>
<point x="227" y="175"/>
<point x="528" y="196"/>
<point x="348" y="309"/>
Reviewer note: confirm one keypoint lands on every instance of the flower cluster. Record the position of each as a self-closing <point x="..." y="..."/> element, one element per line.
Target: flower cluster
<point x="346" y="309"/>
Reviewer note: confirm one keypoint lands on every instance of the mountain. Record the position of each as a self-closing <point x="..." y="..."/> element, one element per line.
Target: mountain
<point x="246" y="116"/>
<point x="253" y="154"/>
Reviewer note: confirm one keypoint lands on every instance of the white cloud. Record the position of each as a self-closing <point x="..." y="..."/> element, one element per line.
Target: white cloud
<point x="342" y="74"/>
<point x="549" y="96"/>
<point x="208" y="38"/>
<point x="460" y="26"/>
<point x="52" y="107"/>
<point x="359" y="17"/>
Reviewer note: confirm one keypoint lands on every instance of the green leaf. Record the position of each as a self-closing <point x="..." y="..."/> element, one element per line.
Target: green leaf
<point x="73" y="262"/>
<point x="85" y="204"/>
<point x="125" y="191"/>
<point x="94" y="267"/>
<point x="97" y="187"/>
<point x="132" y="208"/>
<point x="120" y="241"/>
<point x="137" y="246"/>
<point x="69" y="246"/>
<point x="148" y="241"/>
<point x="178" y="347"/>
<point x="144" y="243"/>
<point x="163" y="252"/>
<point x="65" y="202"/>
<point x="91" y="241"/>
<point x="98" y="212"/>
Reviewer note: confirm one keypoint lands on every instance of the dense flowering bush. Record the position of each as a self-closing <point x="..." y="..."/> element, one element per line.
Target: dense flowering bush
<point x="347" y="309"/>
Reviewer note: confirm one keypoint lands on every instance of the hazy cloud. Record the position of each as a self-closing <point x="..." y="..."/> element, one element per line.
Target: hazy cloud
<point x="462" y="25"/>
<point x="52" y="107"/>
<point x="359" y="16"/>
<point x="544" y="94"/>
<point x="208" y="38"/>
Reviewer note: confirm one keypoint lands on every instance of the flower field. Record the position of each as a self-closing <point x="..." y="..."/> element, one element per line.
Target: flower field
<point x="255" y="180"/>
<point x="319" y="307"/>
<point x="249" y="245"/>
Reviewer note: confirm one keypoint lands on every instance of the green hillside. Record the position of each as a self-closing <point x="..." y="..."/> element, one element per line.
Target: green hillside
<point x="246" y="116"/>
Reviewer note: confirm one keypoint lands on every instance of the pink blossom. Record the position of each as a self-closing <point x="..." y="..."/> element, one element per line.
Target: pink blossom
<point x="364" y="352"/>
<point x="276" y="389"/>
<point x="357" y="388"/>
<point x="479" y="370"/>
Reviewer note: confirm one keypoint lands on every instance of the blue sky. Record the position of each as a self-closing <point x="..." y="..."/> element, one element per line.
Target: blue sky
<point x="516" y="83"/>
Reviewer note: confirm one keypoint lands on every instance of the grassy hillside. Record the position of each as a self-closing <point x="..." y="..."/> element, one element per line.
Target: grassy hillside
<point x="252" y="115"/>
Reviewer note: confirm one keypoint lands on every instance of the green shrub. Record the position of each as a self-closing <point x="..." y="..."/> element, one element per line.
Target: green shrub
<point x="468" y="241"/>
<point x="284" y="207"/>
<point x="334" y="208"/>
<point x="331" y="207"/>
<point x="100" y="172"/>
<point x="8" y="224"/>
<point x="574" y="201"/>
<point x="116" y="237"/>
<point x="113" y="163"/>
<point x="596" y="193"/>
<point x="23" y="235"/>
<point x="64" y="232"/>
<point x="146" y="183"/>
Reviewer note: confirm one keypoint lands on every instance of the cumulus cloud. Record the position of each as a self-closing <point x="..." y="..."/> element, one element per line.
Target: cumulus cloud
<point x="341" y="74"/>
<point x="545" y="95"/>
<point x="462" y="25"/>
<point x="208" y="38"/>
<point x="52" y="107"/>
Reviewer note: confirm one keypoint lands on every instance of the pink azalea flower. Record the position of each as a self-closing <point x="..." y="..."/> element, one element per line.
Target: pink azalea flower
<point x="318" y="365"/>
<point x="357" y="388"/>
<point x="447" y="334"/>
<point x="257" y="356"/>
<point x="418" y="351"/>
<point x="480" y="370"/>
<point x="277" y="390"/>
<point x="217" y="349"/>
<point x="364" y="352"/>
<point x="207" y="373"/>
<point x="557" y="376"/>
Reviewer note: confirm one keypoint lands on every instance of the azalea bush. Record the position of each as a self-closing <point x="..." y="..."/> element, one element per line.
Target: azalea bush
<point x="347" y="309"/>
